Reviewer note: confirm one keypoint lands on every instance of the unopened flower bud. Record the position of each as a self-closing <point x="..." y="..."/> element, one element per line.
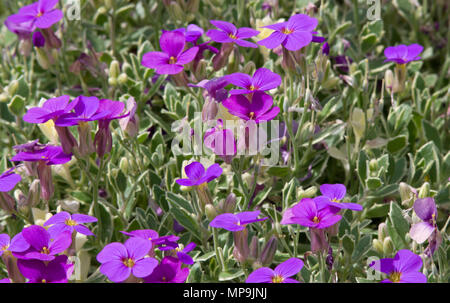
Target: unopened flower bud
<point x="382" y="231"/>
<point x="268" y="251"/>
<point x="114" y="69"/>
<point x="424" y="191"/>
<point x="210" y="110"/>
<point x="210" y="211"/>
<point x="378" y="246"/>
<point x="186" y="188"/>
<point x="230" y="203"/>
<point x="25" y="47"/>
<point x="318" y="240"/>
<point x="20" y="198"/>
<point x="7" y="203"/>
<point x="200" y="69"/>
<point x="406" y="194"/>
<point x="254" y="247"/>
<point x="69" y="205"/>
<point x="68" y="141"/>
<point x="307" y="193"/>
<point x="388" y="246"/>
<point x="123" y="165"/>
<point x="34" y="193"/>
<point x="112" y="81"/>
<point x="12" y="87"/>
<point x="42" y="58"/>
<point x="389" y="80"/>
<point x="241" y="249"/>
<point x="123" y="78"/>
<point x="373" y="165"/>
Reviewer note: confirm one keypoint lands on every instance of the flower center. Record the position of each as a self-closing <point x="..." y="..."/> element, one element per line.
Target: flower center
<point x="251" y="115"/>
<point x="316" y="219"/>
<point x="252" y="87"/>
<point x="4" y="248"/>
<point x="287" y="31"/>
<point x="39" y="14"/>
<point x="172" y="60"/>
<point x="395" y="276"/>
<point x="164" y="279"/>
<point x="70" y="222"/>
<point x="128" y="262"/>
<point x="335" y="200"/>
<point x="232" y="36"/>
<point x="45" y="250"/>
<point x="44" y="281"/>
<point x="277" y="279"/>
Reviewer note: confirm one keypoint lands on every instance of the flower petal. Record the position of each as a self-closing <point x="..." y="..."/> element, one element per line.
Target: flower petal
<point x="172" y="43"/>
<point x="36" y="236"/>
<point x="297" y="40"/>
<point x="265" y="79"/>
<point x="60" y="217"/>
<point x="261" y="275"/>
<point x="112" y="251"/>
<point x="137" y="247"/>
<point x="187" y="56"/>
<point x="154" y="59"/>
<point x="406" y="261"/>
<point x="115" y="270"/>
<point x="194" y="171"/>
<point x="333" y="191"/>
<point x="144" y="267"/>
<point x="420" y="232"/>
<point x="289" y="267"/>
<point x="49" y="18"/>
<point x="227" y="27"/>
<point x="274" y="40"/>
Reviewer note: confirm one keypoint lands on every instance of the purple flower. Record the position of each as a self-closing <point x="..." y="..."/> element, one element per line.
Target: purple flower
<point x="130" y="123"/>
<point x="38" y="39"/>
<point x="403" y="268"/>
<point x="51" y="109"/>
<point x="332" y="196"/>
<point x="85" y="109"/>
<point x="17" y="244"/>
<point x="120" y="260"/>
<point x="182" y="254"/>
<point x="215" y="88"/>
<point x="50" y="155"/>
<point x="258" y="109"/>
<point x="192" y="32"/>
<point x="307" y="213"/>
<point x="403" y="54"/>
<point x="168" y="242"/>
<point x="228" y="33"/>
<point x="294" y="34"/>
<point x="63" y="221"/>
<point x="426" y="210"/>
<point x="221" y="141"/>
<point x="41" y="245"/>
<point x="281" y="273"/>
<point x="58" y="270"/>
<point x="168" y="271"/>
<point x="40" y="14"/>
<point x="172" y="58"/>
<point x="21" y="29"/>
<point x="8" y="180"/>
<point x="197" y="175"/>
<point x="236" y="222"/>
<point x="5" y="280"/>
<point x="263" y="79"/>
<point x="325" y="49"/>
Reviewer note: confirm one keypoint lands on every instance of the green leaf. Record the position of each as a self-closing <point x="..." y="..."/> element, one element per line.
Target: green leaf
<point x="399" y="223"/>
<point x="186" y="221"/>
<point x="231" y="274"/>
<point x="373" y="183"/>
<point x="368" y="42"/>
<point x="362" y="247"/>
<point x="377" y="211"/>
<point x="177" y="200"/>
<point x="205" y="257"/>
<point x="362" y="166"/>
<point x="396" y="144"/>
<point x="431" y="133"/>
<point x="349" y="244"/>
<point x="277" y="171"/>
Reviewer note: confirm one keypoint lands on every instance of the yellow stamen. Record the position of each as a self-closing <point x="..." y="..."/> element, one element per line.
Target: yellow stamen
<point x="252" y="87"/>
<point x="45" y="250"/>
<point x="70" y="222"/>
<point x="39" y="14"/>
<point x="232" y="36"/>
<point x="172" y="60"/>
<point x="128" y="262"/>
<point x="251" y="115"/>
<point x="335" y="200"/>
<point x="316" y="219"/>
<point x="164" y="279"/>
<point x="44" y="281"/>
<point x="277" y="279"/>
<point x="287" y="31"/>
<point x="395" y="276"/>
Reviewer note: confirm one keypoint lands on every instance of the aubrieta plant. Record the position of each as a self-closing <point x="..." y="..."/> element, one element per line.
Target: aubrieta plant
<point x="224" y="141"/>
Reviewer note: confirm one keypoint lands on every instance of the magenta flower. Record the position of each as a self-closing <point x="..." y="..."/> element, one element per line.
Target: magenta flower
<point x="85" y="109"/>
<point x="8" y="180"/>
<point x="307" y="213"/>
<point x="403" y="54"/>
<point x="197" y="175"/>
<point x="228" y="33"/>
<point x="17" y="244"/>
<point x="21" y="29"/>
<point x="182" y="254"/>
<point x="5" y="280"/>
<point x="38" y="39"/>
<point x="192" y="32"/>
<point x="281" y="273"/>
<point x="215" y="88"/>
<point x="63" y="221"/>
<point x="41" y="245"/>
<point x="259" y="109"/>
<point x="221" y="141"/>
<point x="236" y="222"/>
<point x="119" y="260"/>
<point x="172" y="58"/>
<point x="168" y="242"/>
<point x="294" y="34"/>
<point x="332" y="196"/>
<point x="58" y="270"/>
<point x="51" y="109"/>
<point x="426" y="210"/>
<point x="403" y="268"/>
<point x="263" y="79"/>
<point x="49" y="155"/>
<point x="40" y="14"/>
<point x="168" y="271"/>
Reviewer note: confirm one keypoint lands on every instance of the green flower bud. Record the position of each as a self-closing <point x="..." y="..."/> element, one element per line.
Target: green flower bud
<point x="123" y="78"/>
<point x="389" y="80"/>
<point x="382" y="231"/>
<point x="102" y="10"/>
<point x="388" y="246"/>
<point x="378" y="246"/>
<point x="112" y="81"/>
<point x="406" y="194"/>
<point x="3" y="97"/>
<point x="200" y="69"/>
<point x="123" y="165"/>
<point x="210" y="211"/>
<point x="424" y="191"/>
<point x="42" y="58"/>
<point x="373" y="165"/>
<point x="114" y="69"/>
<point x="307" y="193"/>
<point x="12" y="87"/>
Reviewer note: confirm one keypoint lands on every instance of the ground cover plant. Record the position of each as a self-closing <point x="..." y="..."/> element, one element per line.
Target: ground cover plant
<point x="236" y="141"/>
